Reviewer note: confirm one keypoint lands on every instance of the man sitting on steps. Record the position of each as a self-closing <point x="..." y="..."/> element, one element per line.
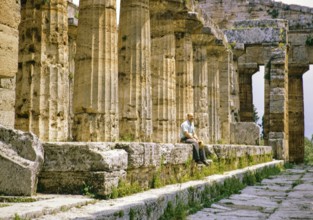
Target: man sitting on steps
<point x="188" y="135"/>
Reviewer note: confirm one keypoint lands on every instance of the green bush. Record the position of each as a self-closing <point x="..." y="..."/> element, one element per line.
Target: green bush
<point x="308" y="151"/>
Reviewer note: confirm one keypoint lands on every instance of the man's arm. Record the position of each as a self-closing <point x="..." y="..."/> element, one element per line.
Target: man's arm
<point x="188" y="135"/>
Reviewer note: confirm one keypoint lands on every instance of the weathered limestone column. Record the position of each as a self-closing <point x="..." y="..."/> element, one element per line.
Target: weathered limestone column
<point x="42" y="100"/>
<point x="9" y="21"/>
<point x="213" y="56"/>
<point x="296" y="112"/>
<point x="200" y="75"/>
<point x="135" y="100"/>
<point x="224" y="83"/>
<point x="276" y="103"/>
<point x="184" y="76"/>
<point x="72" y="36"/>
<point x="246" y="71"/>
<point x="96" y="76"/>
<point x="163" y="80"/>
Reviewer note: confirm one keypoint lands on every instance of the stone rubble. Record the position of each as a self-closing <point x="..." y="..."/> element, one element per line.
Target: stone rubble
<point x="21" y="160"/>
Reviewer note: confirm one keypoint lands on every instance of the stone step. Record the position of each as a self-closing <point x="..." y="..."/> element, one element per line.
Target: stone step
<point x="39" y="205"/>
<point x="148" y="205"/>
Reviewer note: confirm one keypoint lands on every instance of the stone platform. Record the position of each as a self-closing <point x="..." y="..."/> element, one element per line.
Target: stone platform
<point x="118" y="169"/>
<point x="146" y="205"/>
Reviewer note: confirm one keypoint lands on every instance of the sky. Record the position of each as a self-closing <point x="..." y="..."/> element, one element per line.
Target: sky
<point x="258" y="81"/>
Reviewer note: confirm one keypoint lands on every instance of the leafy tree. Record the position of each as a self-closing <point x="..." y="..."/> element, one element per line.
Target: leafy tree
<point x="308" y="151"/>
<point x="255" y="115"/>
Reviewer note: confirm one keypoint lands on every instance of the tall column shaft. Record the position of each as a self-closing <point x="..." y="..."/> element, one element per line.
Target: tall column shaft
<point x="213" y="97"/>
<point x="276" y="72"/>
<point x="135" y="101"/>
<point x="296" y="113"/>
<point x="95" y="85"/>
<point x="9" y="21"/>
<point x="246" y="71"/>
<point x="163" y="83"/>
<point x="224" y="111"/>
<point x="246" y="97"/>
<point x="201" y="106"/>
<point x="184" y="76"/>
<point x="42" y="100"/>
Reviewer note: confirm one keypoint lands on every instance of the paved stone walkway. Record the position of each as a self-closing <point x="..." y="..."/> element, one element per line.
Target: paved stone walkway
<point x="286" y="196"/>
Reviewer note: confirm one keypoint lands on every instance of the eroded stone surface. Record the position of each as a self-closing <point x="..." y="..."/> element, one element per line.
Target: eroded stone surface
<point x="21" y="159"/>
<point x="247" y="133"/>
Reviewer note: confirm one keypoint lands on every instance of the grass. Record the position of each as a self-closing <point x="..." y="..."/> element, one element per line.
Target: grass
<point x="213" y="193"/>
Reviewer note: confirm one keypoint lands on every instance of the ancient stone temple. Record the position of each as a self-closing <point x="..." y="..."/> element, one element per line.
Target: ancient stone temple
<point x="121" y="91"/>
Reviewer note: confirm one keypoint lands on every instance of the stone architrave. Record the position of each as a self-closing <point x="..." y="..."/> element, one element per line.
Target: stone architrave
<point x="21" y="159"/>
<point x="163" y="80"/>
<point x="42" y="82"/>
<point x="296" y="112"/>
<point x="96" y="77"/>
<point x="134" y="45"/>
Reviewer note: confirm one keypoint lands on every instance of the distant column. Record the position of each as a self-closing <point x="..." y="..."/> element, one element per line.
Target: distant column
<point x="135" y="100"/>
<point x="276" y="103"/>
<point x="96" y="77"/>
<point x="246" y="72"/>
<point x="42" y="84"/>
<point x="296" y="113"/>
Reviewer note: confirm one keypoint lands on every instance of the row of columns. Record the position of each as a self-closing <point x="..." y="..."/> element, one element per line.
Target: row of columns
<point x="136" y="85"/>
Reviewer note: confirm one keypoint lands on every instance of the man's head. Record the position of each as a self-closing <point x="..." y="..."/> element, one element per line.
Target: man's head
<point x="190" y="117"/>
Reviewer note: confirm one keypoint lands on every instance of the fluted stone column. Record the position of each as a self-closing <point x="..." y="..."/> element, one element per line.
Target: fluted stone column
<point x="42" y="100"/>
<point x="201" y="99"/>
<point x="163" y="80"/>
<point x="296" y="112"/>
<point x="135" y="101"/>
<point x="9" y="21"/>
<point x="213" y="56"/>
<point x="96" y="77"/>
<point x="224" y="83"/>
<point x="184" y="76"/>
<point x="246" y="72"/>
<point x="276" y="103"/>
<point x="72" y="46"/>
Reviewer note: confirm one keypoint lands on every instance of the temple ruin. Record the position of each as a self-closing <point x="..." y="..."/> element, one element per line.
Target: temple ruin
<point x="117" y="93"/>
